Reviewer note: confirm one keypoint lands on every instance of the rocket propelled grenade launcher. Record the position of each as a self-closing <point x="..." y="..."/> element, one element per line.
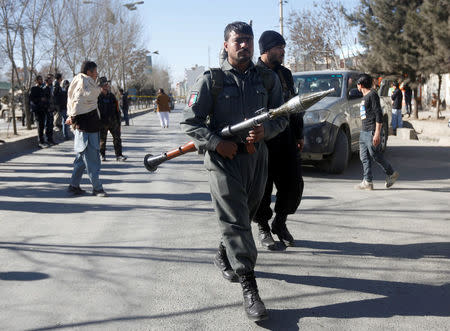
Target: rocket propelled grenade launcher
<point x="297" y="104"/>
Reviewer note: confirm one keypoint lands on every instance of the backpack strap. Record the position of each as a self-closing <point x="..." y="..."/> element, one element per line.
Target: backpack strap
<point x="267" y="77"/>
<point x="217" y="77"/>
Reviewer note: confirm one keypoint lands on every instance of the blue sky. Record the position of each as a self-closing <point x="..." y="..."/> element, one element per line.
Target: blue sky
<point x="182" y="31"/>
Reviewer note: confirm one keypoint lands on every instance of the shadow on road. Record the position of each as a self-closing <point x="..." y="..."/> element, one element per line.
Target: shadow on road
<point x="415" y="163"/>
<point x="60" y="208"/>
<point x="144" y="253"/>
<point x="23" y="275"/>
<point x="399" y="299"/>
<point x="200" y="196"/>
<point x="410" y="251"/>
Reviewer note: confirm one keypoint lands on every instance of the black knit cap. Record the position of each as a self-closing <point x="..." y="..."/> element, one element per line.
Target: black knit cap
<point x="270" y="39"/>
<point x="103" y="81"/>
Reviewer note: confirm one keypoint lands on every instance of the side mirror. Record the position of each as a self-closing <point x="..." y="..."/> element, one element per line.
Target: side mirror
<point x="354" y="94"/>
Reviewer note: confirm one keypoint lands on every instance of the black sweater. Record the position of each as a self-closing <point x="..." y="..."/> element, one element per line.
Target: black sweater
<point x="397" y="97"/>
<point x="371" y="103"/>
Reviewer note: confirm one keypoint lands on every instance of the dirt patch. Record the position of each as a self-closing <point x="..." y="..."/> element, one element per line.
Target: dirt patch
<point x="429" y="129"/>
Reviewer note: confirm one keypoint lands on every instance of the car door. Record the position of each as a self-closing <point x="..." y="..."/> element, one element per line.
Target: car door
<point x="385" y="98"/>
<point x="354" y="99"/>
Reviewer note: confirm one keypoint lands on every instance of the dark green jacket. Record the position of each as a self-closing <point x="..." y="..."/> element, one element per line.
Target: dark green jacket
<point x="242" y="95"/>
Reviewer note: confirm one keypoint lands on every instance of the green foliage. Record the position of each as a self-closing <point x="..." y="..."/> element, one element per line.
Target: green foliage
<point x="428" y="29"/>
<point x="404" y="38"/>
<point x="389" y="51"/>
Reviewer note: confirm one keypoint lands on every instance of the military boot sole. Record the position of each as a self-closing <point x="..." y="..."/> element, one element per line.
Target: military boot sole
<point x="268" y="246"/>
<point x="286" y="242"/>
<point x="267" y="242"/>
<point x="258" y="318"/>
<point x="228" y="275"/>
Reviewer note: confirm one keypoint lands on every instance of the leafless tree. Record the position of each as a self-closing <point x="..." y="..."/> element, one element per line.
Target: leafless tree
<point x="58" y="35"/>
<point x="11" y="15"/>
<point x="307" y="36"/>
<point x="338" y="31"/>
<point x="33" y="21"/>
<point x="320" y="34"/>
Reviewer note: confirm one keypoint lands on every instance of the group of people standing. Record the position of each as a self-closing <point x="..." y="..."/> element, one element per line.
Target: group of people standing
<point x="46" y="101"/>
<point x="398" y="94"/>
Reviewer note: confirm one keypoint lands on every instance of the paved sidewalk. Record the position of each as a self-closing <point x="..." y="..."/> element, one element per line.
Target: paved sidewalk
<point x="141" y="259"/>
<point x="26" y="141"/>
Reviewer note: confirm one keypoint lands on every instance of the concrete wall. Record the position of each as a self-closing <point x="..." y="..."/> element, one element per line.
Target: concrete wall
<point x="191" y="76"/>
<point x="431" y="86"/>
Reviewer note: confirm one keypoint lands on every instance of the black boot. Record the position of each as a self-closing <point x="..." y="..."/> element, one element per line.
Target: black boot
<point x="265" y="237"/>
<point x="279" y="228"/>
<point x="253" y="305"/>
<point x="221" y="262"/>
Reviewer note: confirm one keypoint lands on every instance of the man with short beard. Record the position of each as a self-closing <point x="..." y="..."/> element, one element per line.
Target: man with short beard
<point x="284" y="153"/>
<point x="237" y="166"/>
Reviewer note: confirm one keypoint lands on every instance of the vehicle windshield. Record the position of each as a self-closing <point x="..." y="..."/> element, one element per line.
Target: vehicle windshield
<point x="316" y="83"/>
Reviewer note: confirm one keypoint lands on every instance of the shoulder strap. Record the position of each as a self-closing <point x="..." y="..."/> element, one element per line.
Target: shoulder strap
<point x="217" y="77"/>
<point x="267" y="77"/>
<point x="282" y="80"/>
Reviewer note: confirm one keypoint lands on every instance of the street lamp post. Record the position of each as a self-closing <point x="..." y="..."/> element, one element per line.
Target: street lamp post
<point x="281" y="16"/>
<point x="132" y="5"/>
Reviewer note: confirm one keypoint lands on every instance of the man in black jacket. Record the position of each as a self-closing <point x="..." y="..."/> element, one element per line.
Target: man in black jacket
<point x="284" y="153"/>
<point x="58" y="101"/>
<point x="39" y="106"/>
<point x="49" y="105"/>
<point x="397" y="98"/>
<point x="110" y="118"/>
<point x="124" y="105"/>
<point x="408" y="98"/>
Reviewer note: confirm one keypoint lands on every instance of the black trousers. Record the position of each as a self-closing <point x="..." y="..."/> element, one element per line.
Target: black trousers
<point x="44" y="121"/>
<point x="113" y="126"/>
<point x="286" y="173"/>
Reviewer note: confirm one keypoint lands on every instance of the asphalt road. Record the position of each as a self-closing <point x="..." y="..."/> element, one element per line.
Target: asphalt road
<point x="141" y="259"/>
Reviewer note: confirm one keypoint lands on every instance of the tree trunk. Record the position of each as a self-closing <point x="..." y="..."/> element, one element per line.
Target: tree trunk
<point x="26" y="105"/>
<point x="415" y="106"/>
<point x="438" y="104"/>
<point x="13" y="110"/>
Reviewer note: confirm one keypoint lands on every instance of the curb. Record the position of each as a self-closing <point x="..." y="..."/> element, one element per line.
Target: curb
<point x="26" y="145"/>
<point x="18" y="147"/>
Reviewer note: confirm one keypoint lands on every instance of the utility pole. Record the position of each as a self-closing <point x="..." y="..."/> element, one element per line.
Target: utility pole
<point x="281" y="17"/>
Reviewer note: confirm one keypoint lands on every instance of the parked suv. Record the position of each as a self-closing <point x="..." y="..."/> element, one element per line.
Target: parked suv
<point x="332" y="125"/>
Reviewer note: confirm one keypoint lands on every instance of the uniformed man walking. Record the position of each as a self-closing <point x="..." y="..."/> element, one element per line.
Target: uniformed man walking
<point x="284" y="152"/>
<point x="237" y="167"/>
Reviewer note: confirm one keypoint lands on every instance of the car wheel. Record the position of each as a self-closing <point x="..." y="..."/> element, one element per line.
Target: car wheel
<point x="384" y="135"/>
<point x="338" y="161"/>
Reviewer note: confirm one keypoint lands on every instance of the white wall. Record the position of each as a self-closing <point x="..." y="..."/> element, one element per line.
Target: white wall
<point x="431" y="86"/>
<point x="191" y="76"/>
